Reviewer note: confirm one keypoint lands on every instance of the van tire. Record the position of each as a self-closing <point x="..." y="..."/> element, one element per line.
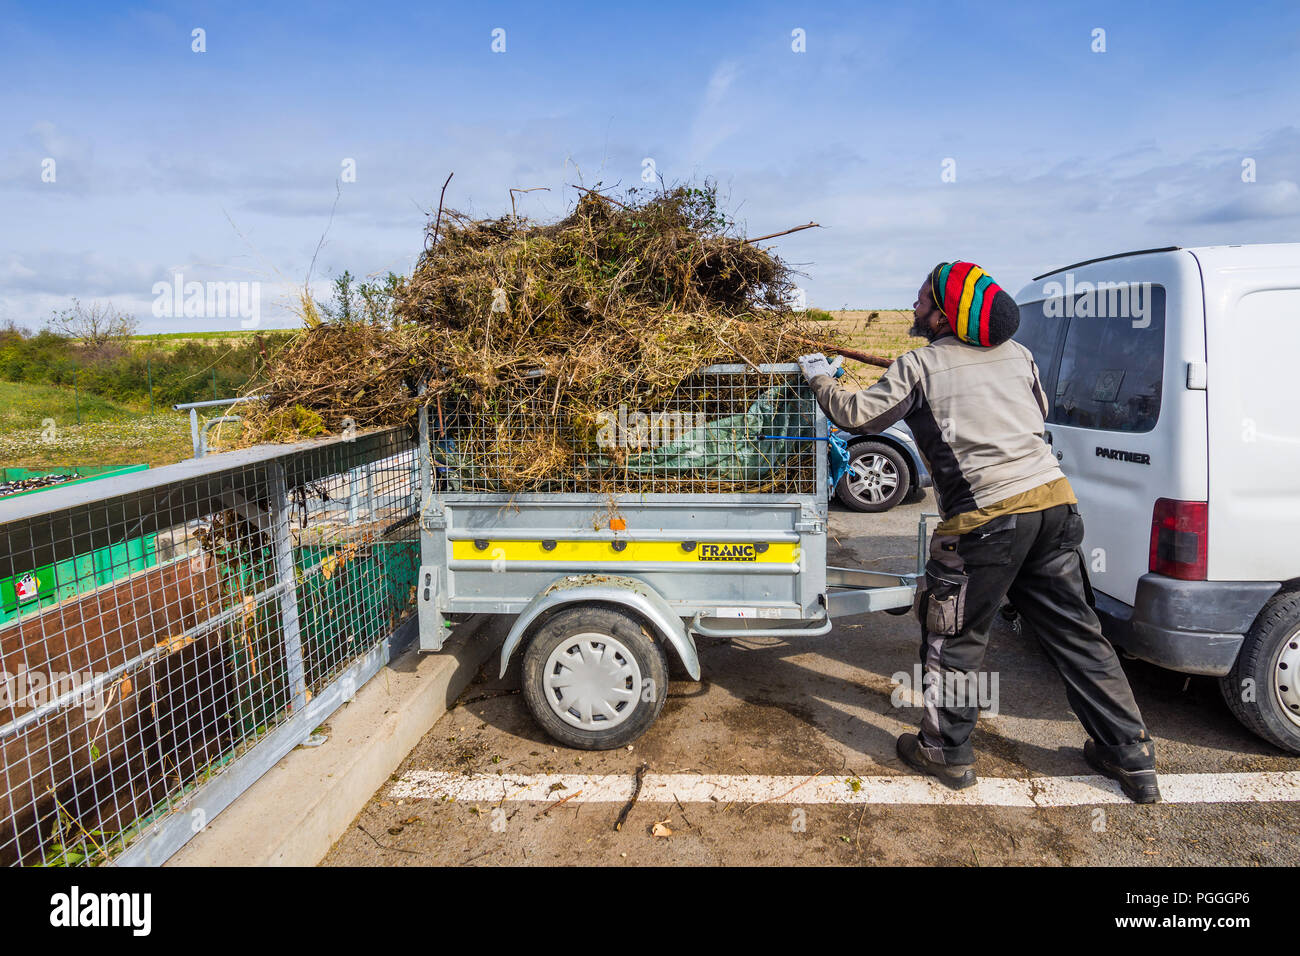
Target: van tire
<point x="637" y="651"/>
<point x="1276" y="629"/>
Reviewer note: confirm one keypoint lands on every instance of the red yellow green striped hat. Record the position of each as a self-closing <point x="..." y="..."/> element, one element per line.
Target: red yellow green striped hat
<point x="978" y="309"/>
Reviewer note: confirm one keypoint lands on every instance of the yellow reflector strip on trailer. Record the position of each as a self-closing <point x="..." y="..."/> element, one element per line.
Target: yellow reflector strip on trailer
<point x="658" y="551"/>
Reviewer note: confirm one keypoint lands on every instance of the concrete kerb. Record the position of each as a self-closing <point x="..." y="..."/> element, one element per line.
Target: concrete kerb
<point x="302" y="805"/>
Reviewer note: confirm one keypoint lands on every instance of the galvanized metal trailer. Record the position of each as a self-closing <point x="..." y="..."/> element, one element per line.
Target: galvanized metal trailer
<point x="601" y="584"/>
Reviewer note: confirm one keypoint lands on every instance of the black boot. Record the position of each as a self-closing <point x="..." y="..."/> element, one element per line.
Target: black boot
<point x="957" y="776"/>
<point x="1140" y="786"/>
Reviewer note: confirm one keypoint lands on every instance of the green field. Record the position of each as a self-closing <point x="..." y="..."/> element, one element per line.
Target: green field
<point x="881" y="332"/>
<point x="168" y="341"/>
<point x="109" y="434"/>
<point x="27" y="405"/>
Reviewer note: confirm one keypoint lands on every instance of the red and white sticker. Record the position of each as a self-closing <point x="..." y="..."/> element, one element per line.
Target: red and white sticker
<point x="27" y="587"/>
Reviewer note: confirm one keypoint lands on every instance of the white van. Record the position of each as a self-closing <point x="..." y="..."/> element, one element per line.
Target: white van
<point x="1173" y="376"/>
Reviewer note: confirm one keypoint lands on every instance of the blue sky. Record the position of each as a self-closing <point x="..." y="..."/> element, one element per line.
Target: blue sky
<point x="225" y="165"/>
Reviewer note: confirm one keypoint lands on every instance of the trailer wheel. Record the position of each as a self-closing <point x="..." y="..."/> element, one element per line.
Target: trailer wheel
<point x="594" y="678"/>
<point x="1263" y="688"/>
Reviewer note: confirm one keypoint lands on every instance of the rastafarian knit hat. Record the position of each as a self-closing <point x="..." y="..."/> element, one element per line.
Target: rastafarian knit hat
<point x="978" y="309"/>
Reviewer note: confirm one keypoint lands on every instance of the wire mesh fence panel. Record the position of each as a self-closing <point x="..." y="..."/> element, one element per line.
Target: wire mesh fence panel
<point x="728" y="428"/>
<point x="158" y="626"/>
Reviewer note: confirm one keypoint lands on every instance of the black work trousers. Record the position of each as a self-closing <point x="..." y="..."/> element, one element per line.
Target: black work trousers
<point x="1033" y="559"/>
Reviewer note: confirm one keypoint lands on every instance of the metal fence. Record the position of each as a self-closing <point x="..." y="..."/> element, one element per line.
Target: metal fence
<point x="167" y="636"/>
<point x="727" y="428"/>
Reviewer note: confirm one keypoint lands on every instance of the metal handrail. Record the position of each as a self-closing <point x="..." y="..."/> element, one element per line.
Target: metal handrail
<point x="195" y="437"/>
<point x="207" y="426"/>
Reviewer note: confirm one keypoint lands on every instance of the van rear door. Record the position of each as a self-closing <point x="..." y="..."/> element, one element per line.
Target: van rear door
<point x="1114" y="341"/>
<point x="1253" y="333"/>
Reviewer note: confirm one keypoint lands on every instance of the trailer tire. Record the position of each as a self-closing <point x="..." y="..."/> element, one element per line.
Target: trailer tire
<point x="594" y="677"/>
<point x="1269" y="667"/>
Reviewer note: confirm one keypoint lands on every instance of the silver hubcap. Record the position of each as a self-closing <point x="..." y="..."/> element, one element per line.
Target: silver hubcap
<point x="592" y="681"/>
<point x="872" y="478"/>
<point x="1286" y="677"/>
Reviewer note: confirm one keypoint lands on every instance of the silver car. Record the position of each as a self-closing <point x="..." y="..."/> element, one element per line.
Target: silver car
<point x="884" y="469"/>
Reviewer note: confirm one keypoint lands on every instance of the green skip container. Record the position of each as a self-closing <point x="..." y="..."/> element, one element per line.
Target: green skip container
<point x="31" y="590"/>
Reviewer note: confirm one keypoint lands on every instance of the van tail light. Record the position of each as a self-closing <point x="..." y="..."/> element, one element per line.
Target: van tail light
<point x="1180" y="539"/>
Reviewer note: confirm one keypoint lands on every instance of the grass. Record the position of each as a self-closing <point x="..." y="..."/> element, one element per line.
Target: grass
<point x="109" y="434"/>
<point x="217" y="334"/>
<point x="27" y="405"/>
<point x="881" y="332"/>
<point x="152" y="439"/>
<point x="170" y="341"/>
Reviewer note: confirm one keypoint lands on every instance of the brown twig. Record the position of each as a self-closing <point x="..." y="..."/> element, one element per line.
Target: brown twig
<point x="866" y="358"/>
<point x="683" y="809"/>
<point x="438" y="221"/>
<point x="737" y="351"/>
<point x="381" y="846"/>
<point x="636" y="792"/>
<point x="602" y="196"/>
<point x="516" y="189"/>
<point x="482" y="697"/>
<point x="785" y="232"/>
<point x="99" y="848"/>
<point x="783" y="795"/>
<point x="559" y="803"/>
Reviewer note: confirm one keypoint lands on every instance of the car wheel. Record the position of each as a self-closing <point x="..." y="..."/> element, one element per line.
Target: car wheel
<point x="1263" y="688"/>
<point x="877" y="478"/>
<point x="594" y="678"/>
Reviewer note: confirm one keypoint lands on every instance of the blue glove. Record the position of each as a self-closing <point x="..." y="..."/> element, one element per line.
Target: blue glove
<point x="814" y="365"/>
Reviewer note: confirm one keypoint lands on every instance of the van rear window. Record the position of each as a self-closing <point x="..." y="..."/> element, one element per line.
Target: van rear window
<point x="1038" y="333"/>
<point x="1111" y="369"/>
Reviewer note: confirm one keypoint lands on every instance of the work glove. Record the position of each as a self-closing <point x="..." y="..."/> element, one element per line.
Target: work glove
<point x="814" y="365"/>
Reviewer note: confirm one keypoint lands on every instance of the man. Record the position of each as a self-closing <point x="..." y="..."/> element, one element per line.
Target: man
<point x="1011" y="526"/>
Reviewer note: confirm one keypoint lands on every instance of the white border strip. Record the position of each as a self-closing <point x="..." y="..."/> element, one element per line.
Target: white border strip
<point x="1267" y="787"/>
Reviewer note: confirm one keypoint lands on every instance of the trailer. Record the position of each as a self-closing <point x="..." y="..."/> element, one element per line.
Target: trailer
<point x="718" y="528"/>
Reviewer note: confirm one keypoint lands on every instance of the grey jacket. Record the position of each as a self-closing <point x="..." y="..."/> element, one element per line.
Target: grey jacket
<point x="977" y="415"/>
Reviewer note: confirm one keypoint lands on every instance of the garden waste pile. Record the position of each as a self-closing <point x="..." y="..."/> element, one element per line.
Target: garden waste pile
<point x="567" y="355"/>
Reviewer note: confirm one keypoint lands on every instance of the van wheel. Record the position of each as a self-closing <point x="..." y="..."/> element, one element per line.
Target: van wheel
<point x="1263" y="688"/>
<point x="877" y="478"/>
<point x="594" y="678"/>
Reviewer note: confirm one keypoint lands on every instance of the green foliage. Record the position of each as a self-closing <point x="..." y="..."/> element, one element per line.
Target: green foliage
<point x="29" y="405"/>
<point x="182" y="370"/>
<point x="367" y="302"/>
<point x="293" y="423"/>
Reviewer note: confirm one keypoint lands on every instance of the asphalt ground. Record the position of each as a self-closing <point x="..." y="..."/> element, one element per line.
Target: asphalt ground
<point x="785" y="753"/>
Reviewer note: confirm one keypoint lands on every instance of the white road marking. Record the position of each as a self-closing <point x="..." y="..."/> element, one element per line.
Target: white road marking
<point x="1267" y="787"/>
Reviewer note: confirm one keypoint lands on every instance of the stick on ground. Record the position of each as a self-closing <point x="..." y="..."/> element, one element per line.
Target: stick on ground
<point x="636" y="792"/>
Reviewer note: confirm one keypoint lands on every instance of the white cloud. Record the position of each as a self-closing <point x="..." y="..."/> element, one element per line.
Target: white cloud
<point x="716" y="118"/>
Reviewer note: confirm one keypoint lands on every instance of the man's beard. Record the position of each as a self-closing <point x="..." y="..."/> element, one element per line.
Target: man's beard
<point x="918" y="331"/>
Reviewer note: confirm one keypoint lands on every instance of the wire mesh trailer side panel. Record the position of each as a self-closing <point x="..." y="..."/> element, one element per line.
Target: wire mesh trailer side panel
<point x="722" y="509"/>
<point x="727" y="428"/>
<point x="166" y="622"/>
